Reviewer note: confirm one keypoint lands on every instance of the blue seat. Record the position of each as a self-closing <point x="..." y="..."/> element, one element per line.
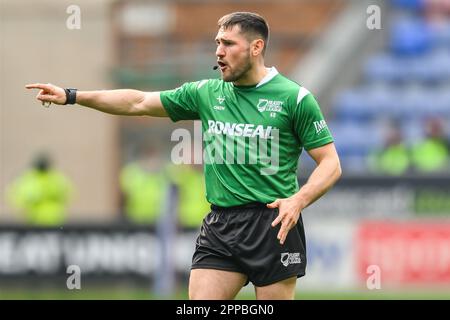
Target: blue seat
<point x="413" y="130"/>
<point x="409" y="4"/>
<point x="354" y="141"/>
<point x="366" y="103"/>
<point x="441" y="33"/>
<point x="438" y="103"/>
<point x="410" y="37"/>
<point x="429" y="68"/>
<point x="419" y="103"/>
<point x="355" y="138"/>
<point x="352" y="105"/>
<point x="382" y="100"/>
<point x="385" y="67"/>
<point x="432" y="68"/>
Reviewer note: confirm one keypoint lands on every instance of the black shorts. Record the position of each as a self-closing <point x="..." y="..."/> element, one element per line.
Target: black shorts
<point x="241" y="239"/>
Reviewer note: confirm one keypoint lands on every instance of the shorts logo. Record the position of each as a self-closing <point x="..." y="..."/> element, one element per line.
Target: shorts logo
<point x="290" y="258"/>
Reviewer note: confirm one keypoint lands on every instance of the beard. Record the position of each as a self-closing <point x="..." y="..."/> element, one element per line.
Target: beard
<point x="239" y="71"/>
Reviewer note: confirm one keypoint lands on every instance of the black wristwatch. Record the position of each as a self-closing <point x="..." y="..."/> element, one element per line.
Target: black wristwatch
<point x="71" y="95"/>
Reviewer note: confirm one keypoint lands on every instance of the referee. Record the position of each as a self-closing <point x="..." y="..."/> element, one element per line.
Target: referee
<point x="254" y="232"/>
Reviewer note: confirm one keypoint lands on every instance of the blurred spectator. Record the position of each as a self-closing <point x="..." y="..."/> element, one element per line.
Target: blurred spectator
<point x="144" y="185"/>
<point x="432" y="153"/>
<point x="393" y="158"/>
<point x="192" y="207"/>
<point x="42" y="194"/>
<point x="145" y="182"/>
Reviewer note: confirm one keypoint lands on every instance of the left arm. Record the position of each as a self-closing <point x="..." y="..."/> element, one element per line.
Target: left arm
<point x="323" y="177"/>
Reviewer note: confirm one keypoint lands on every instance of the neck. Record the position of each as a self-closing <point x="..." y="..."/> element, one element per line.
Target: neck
<point x="253" y="76"/>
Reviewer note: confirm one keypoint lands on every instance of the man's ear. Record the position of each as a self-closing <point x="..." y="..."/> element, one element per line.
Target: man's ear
<point x="257" y="47"/>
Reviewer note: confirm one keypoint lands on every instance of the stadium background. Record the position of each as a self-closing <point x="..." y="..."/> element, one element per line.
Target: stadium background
<point x="369" y="82"/>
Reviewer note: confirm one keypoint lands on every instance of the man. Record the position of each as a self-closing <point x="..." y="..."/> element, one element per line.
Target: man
<point x="254" y="231"/>
<point x="432" y="153"/>
<point x="42" y="194"/>
<point x="394" y="156"/>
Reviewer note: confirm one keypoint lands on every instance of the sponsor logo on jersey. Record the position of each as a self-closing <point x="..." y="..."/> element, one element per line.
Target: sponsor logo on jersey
<point x="239" y="129"/>
<point x="219" y="107"/>
<point x="290" y="258"/>
<point x="320" y="126"/>
<point x="220" y="99"/>
<point x="269" y="105"/>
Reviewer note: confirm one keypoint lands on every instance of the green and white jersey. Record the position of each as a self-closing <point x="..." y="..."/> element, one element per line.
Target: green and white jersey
<point x="252" y="136"/>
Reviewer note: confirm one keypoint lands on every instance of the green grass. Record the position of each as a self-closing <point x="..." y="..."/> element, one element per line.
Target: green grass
<point x="141" y="294"/>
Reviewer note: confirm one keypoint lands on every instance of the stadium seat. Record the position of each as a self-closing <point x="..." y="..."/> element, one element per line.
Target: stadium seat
<point x="432" y="68"/>
<point x="367" y="103"/>
<point x="409" y="4"/>
<point x="385" y="67"/>
<point x="352" y="105"/>
<point x="410" y="37"/>
<point x="355" y="138"/>
<point x="409" y="83"/>
<point x="441" y="33"/>
<point x="413" y="130"/>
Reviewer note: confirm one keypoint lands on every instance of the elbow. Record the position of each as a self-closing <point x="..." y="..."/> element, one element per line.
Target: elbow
<point x="338" y="171"/>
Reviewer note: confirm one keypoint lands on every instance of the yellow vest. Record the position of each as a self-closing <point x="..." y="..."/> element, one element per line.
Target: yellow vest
<point x="192" y="207"/>
<point x="43" y="196"/>
<point x="145" y="193"/>
<point x="394" y="160"/>
<point x="430" y="155"/>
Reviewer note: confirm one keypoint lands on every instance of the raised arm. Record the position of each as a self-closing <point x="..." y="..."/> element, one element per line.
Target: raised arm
<point x="120" y="102"/>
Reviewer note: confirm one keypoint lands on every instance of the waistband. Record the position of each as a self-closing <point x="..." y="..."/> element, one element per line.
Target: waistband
<point x="251" y="205"/>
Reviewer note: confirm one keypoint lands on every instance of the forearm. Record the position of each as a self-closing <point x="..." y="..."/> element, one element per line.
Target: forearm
<point x="320" y="181"/>
<point x="119" y="102"/>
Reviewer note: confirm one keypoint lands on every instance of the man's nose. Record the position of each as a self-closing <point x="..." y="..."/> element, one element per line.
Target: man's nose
<point x="220" y="52"/>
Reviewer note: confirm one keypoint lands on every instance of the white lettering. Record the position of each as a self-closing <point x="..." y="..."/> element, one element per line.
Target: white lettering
<point x="374" y="20"/>
<point x="74" y="280"/>
<point x="374" y="280"/>
<point x="211" y="126"/>
<point x="248" y="130"/>
<point x="74" y="20"/>
<point x="229" y="128"/>
<point x="181" y="152"/>
<point x="238" y="131"/>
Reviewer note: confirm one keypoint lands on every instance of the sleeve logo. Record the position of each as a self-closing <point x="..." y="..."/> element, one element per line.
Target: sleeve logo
<point x="320" y="126"/>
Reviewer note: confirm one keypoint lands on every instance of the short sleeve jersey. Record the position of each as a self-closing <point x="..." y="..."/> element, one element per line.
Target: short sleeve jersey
<point x="252" y="136"/>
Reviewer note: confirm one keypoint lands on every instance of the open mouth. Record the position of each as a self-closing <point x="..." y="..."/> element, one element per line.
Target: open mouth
<point x="222" y="65"/>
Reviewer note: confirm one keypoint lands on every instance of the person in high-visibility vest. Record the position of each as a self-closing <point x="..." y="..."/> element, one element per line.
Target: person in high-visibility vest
<point x="192" y="204"/>
<point x="144" y="192"/>
<point x="394" y="157"/>
<point x="432" y="154"/>
<point x="42" y="194"/>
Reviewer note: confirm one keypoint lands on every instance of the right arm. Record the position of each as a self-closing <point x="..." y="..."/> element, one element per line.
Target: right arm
<point x="120" y="102"/>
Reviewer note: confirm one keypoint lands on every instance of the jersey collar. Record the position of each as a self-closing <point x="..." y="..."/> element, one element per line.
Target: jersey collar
<point x="272" y="72"/>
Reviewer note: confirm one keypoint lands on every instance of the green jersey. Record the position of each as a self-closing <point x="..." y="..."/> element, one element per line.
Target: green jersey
<point x="252" y="136"/>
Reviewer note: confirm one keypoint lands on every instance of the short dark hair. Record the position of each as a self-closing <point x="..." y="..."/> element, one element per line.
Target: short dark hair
<point x="249" y="22"/>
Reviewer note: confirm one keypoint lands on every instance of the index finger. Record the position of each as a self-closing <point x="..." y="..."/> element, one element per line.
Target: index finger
<point x="38" y="86"/>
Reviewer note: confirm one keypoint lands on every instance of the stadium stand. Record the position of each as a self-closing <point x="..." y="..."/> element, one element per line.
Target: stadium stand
<point x="408" y="80"/>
